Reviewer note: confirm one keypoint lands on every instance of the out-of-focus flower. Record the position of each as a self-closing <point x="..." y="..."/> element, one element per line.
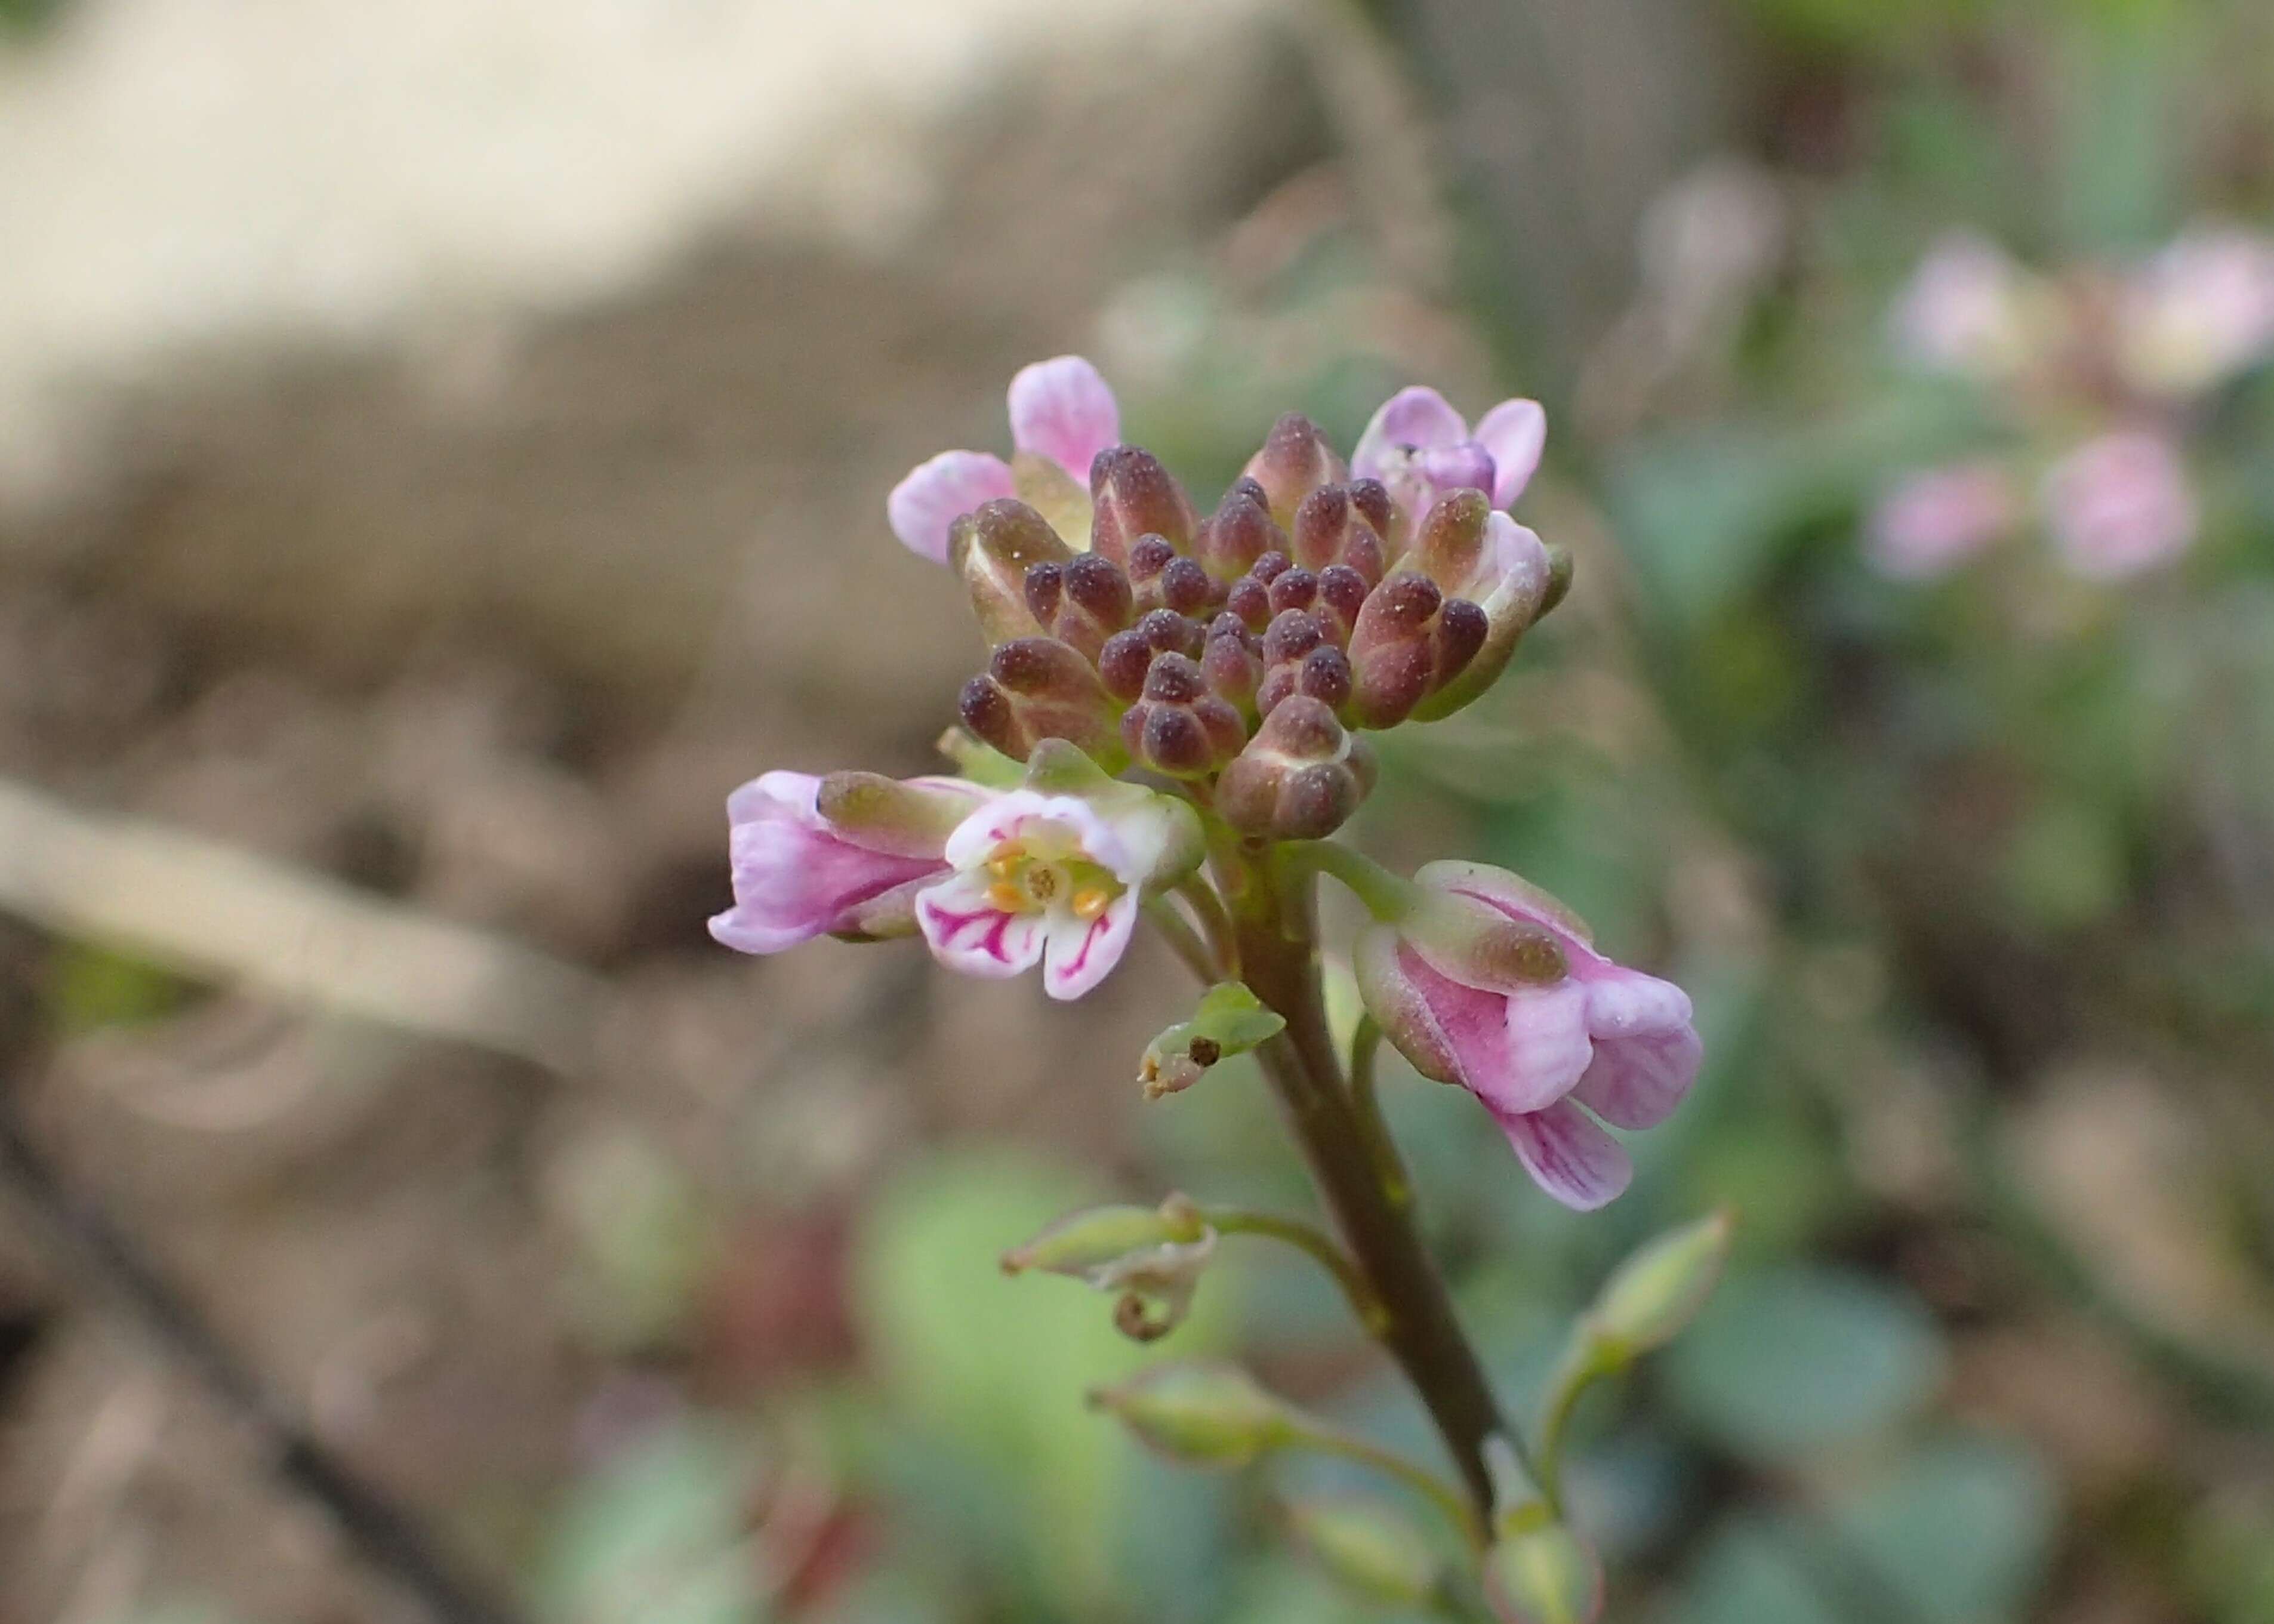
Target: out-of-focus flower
<point x="2120" y="505"/>
<point x="1928" y="524"/>
<point x="1063" y="414"/>
<point x="1502" y="993"/>
<point x="2198" y="313"/>
<point x="1966" y="309"/>
<point x="1420" y="447"/>
<point x="1055" y="873"/>
<point x="836" y="856"/>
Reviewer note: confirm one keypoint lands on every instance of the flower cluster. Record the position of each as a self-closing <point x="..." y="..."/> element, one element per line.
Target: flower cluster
<point x="2097" y="375"/>
<point x="1166" y="689"/>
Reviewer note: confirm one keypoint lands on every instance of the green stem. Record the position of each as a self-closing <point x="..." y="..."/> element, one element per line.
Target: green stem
<point x="1308" y="1238"/>
<point x="1448" y="1498"/>
<point x="1387" y="897"/>
<point x="1573" y="1376"/>
<point x="1279" y="955"/>
<point x="1388" y="1166"/>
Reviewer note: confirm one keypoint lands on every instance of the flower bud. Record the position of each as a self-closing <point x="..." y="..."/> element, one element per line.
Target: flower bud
<point x="1200" y="1415"/>
<point x="1394" y="648"/>
<point x="1178" y="726"/>
<point x="1369" y="1547"/>
<point x="1251" y="600"/>
<point x="1230" y="1020"/>
<point x="1449" y="542"/>
<point x="1545" y="1575"/>
<point x="901" y="817"/>
<point x="1133" y="495"/>
<point x="1089" y="600"/>
<point x="1515" y="583"/>
<point x="1241" y="531"/>
<point x="1295" y="460"/>
<point x="1657" y="1291"/>
<point x="1233" y="660"/>
<point x="1037" y="688"/>
<point x="1299" y="779"/>
<point x="993" y="548"/>
<point x="1152" y="1256"/>
<point x="1329" y="530"/>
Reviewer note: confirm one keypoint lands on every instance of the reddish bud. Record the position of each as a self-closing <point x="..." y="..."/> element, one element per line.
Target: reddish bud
<point x="1132" y="495"/>
<point x="1299" y="779"/>
<point x="993" y="547"/>
<point x="1295" y="460"/>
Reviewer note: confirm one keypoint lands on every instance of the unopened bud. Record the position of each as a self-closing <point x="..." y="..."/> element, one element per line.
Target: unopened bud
<point x="1545" y="1575"/>
<point x="1394" y="649"/>
<point x="1449" y="542"/>
<point x="1090" y="599"/>
<point x="1251" y="600"/>
<point x="1295" y="460"/>
<point x="1369" y="1548"/>
<point x="1179" y="725"/>
<point x="993" y="547"/>
<point x="1037" y="688"/>
<point x="1233" y="660"/>
<point x="1660" y="1289"/>
<point x="1151" y="1257"/>
<point x="1514" y="583"/>
<point x="904" y="817"/>
<point x="1329" y="530"/>
<point x="1241" y="531"/>
<point x="1201" y="1415"/>
<point x="1299" y="779"/>
<point x="1132" y="495"/>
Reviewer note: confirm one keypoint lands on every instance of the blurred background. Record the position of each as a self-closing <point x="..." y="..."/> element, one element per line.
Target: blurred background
<point x="442" y="451"/>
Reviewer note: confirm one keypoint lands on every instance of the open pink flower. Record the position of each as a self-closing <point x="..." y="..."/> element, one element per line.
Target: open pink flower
<point x="2120" y="505"/>
<point x="1420" y="447"/>
<point x="1062" y="412"/>
<point x="1051" y="878"/>
<point x="1928" y="524"/>
<point x="1547" y="1057"/>
<point x="798" y="875"/>
<point x="2200" y="312"/>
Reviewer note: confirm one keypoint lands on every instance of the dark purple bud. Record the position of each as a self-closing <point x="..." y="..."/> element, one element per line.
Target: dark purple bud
<point x="1172" y="740"/>
<point x="1270" y="567"/>
<point x="1099" y="588"/>
<point x="1342" y="594"/>
<point x="1149" y="557"/>
<point x="1123" y="662"/>
<point x="1175" y="679"/>
<point x="1326" y="676"/>
<point x="1294" y="633"/>
<point x="1279" y="684"/>
<point x="1319" y="526"/>
<point x="1398" y="608"/>
<point x="1166" y="629"/>
<point x="1301" y="777"/>
<point x="1042" y="688"/>
<point x="1295" y="460"/>
<point x="1461" y="627"/>
<point x="1042" y="583"/>
<point x="1295" y="589"/>
<point x="1186" y="588"/>
<point x="1233" y="669"/>
<point x="1371" y="499"/>
<point x="1251" y="600"/>
<point x="1133" y="495"/>
<point x="1227" y="731"/>
<point x="1388" y="682"/>
<point x="985" y="709"/>
<point x="1242" y="531"/>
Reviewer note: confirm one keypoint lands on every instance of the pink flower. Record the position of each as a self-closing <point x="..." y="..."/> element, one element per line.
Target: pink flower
<point x="1420" y="447"/>
<point x="2120" y="505"/>
<point x="1053" y="878"/>
<point x="798" y="873"/>
<point x="1964" y="309"/>
<point x="1547" y="1033"/>
<point x="2200" y="312"/>
<point x="1063" y="414"/>
<point x="1926" y="524"/>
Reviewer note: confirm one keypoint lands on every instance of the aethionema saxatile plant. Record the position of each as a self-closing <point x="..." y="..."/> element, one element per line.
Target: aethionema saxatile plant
<point x="1170" y="726"/>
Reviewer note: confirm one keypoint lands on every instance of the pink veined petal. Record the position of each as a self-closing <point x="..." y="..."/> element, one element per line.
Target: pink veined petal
<point x="1064" y="409"/>
<point x="1516" y="433"/>
<point x="794" y="877"/>
<point x="923" y="507"/>
<point x="1418" y="415"/>
<point x="966" y="933"/>
<point x="1636" y="1081"/>
<point x="1569" y="1154"/>
<point x="1514" y="1052"/>
<point x="1080" y="954"/>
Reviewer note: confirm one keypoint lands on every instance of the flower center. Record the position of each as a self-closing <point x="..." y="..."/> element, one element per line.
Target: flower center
<point x="1027" y="876"/>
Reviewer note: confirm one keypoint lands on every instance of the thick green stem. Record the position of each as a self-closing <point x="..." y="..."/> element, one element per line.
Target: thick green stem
<point x="1279" y="959"/>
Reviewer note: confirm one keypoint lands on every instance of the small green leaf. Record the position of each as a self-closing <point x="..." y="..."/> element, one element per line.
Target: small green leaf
<point x="1230" y="1020"/>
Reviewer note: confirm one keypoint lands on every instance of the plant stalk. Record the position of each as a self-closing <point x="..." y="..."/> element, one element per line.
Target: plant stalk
<point x="1279" y="960"/>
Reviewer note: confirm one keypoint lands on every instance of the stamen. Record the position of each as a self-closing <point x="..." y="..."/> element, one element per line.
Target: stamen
<point x="1005" y="898"/>
<point x="1091" y="901"/>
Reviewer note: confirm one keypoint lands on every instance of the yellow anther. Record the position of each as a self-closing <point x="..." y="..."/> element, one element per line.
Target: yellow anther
<point x="1091" y="901"/>
<point x="1005" y="898"/>
<point x="1006" y="860"/>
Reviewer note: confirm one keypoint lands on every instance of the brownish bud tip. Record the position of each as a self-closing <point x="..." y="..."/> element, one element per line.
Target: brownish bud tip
<point x="1295" y="460"/>
<point x="1133" y="495"/>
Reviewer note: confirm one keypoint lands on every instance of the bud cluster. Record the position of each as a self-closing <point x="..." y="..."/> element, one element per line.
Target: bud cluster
<point x="1246" y="649"/>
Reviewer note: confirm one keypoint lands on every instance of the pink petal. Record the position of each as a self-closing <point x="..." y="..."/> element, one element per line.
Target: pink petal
<point x="923" y="507"/>
<point x="965" y="933"/>
<point x="1516" y="1052"/>
<point x="794" y="877"/>
<point x="1928" y="524"/>
<point x="1064" y="409"/>
<point x="1080" y="954"/>
<point x="1516" y="433"/>
<point x="1568" y="1155"/>
<point x="1418" y="415"/>
<point x="2120" y="505"/>
<point x="1635" y="1082"/>
<point x="1623" y="1003"/>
